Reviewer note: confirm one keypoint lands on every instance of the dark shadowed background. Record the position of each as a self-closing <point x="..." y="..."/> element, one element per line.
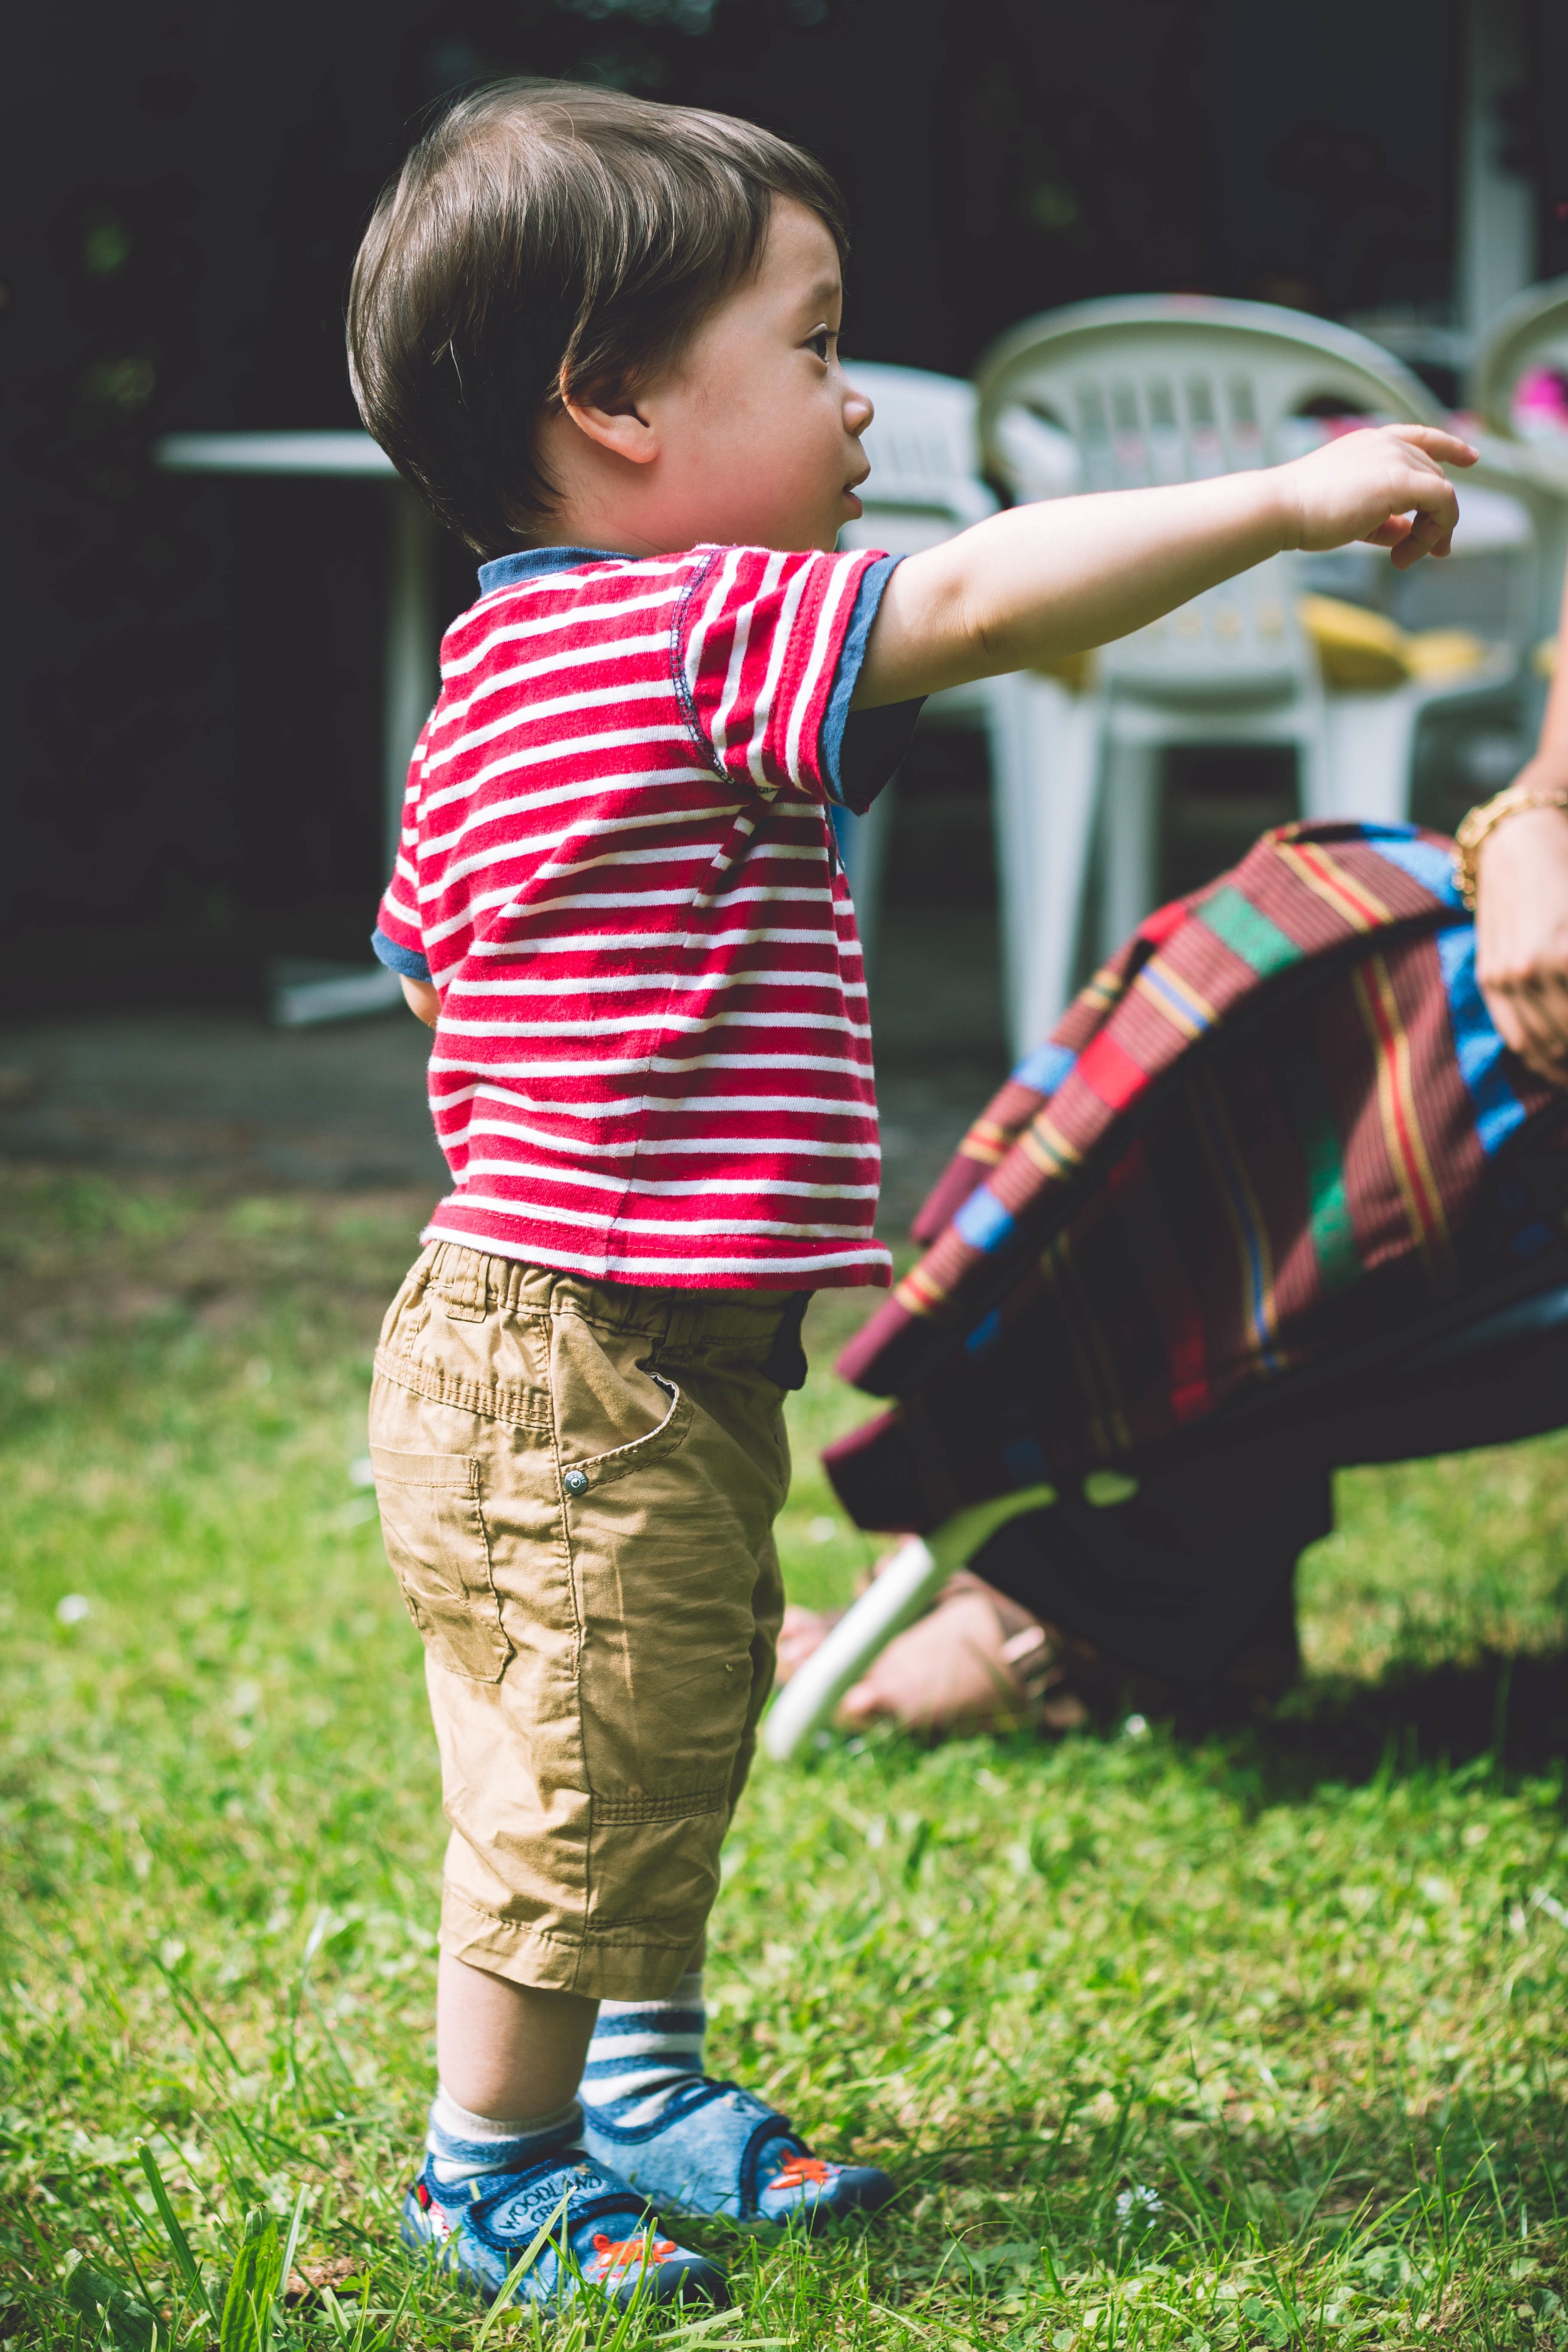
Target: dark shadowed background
<point x="190" y="673"/>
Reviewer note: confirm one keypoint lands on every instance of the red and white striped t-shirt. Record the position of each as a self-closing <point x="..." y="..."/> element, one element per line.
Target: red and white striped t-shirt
<point x="652" y="1063"/>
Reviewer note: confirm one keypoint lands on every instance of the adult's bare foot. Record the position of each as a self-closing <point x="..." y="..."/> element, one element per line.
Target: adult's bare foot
<point x="977" y="1663"/>
<point x="980" y="1661"/>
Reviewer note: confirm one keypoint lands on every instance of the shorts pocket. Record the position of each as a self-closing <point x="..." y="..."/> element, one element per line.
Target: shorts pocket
<point x="435" y="1535"/>
<point x="614" y="1413"/>
<point x="604" y="1469"/>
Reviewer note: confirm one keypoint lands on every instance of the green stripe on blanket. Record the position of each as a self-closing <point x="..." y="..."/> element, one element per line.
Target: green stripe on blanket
<point x="1247" y="932"/>
<point x="1322" y="1156"/>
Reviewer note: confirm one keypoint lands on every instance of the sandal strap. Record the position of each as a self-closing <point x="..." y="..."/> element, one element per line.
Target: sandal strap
<point x="772" y="2126"/>
<point x="607" y="2199"/>
<point x="772" y="2130"/>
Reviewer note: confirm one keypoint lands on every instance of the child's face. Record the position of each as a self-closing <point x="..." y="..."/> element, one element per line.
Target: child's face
<point x="761" y="427"/>
<point x="751" y="439"/>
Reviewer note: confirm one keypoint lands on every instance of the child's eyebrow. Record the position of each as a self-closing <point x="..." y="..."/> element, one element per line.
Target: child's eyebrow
<point x="825" y="293"/>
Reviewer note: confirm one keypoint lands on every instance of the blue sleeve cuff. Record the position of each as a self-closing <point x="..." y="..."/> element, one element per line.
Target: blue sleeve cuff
<point x="401" y="961"/>
<point x="861" y="750"/>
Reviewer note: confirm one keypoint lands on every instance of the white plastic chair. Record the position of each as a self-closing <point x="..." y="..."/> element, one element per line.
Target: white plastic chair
<point x="924" y="485"/>
<point x="1164" y="389"/>
<point x="1527" y="335"/>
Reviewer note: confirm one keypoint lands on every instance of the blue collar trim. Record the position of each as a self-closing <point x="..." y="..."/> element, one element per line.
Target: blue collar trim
<point x="506" y="571"/>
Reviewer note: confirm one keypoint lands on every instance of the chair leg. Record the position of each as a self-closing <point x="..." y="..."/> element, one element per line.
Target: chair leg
<point x="1130" y="840"/>
<point x="863" y="844"/>
<point x="412" y="675"/>
<point x="1312" y="770"/>
<point x="1371" y="738"/>
<point x="1045" y="758"/>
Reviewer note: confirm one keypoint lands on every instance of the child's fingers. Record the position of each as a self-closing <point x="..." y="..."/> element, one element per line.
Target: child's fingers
<point x="1414" y="534"/>
<point x="1436" y="504"/>
<point x="1446" y="447"/>
<point x="1411" y="550"/>
<point x="1426" y="525"/>
<point x="1413" y="545"/>
<point x="1386" y="488"/>
<point x="1429" y="534"/>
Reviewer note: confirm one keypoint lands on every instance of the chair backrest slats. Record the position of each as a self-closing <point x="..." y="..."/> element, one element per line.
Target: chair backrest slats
<point x="1219" y="377"/>
<point x="1528" y="333"/>
<point x="1171" y="389"/>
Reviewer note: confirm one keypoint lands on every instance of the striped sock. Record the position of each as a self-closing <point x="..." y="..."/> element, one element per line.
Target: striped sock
<point x="464" y="2147"/>
<point x="642" y="2052"/>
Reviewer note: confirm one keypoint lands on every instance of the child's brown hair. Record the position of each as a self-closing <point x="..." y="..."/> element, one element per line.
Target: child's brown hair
<point x="543" y="240"/>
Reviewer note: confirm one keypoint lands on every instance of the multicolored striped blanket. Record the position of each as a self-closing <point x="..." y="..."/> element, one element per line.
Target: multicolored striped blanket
<point x="1277" y="1125"/>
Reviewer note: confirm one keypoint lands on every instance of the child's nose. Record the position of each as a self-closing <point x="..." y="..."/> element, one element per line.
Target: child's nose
<point x="859" y="412"/>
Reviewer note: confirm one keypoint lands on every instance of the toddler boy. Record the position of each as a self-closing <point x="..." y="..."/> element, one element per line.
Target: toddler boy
<point x="600" y="337"/>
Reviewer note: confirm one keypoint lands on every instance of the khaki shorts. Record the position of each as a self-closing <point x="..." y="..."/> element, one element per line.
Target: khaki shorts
<point x="578" y="1483"/>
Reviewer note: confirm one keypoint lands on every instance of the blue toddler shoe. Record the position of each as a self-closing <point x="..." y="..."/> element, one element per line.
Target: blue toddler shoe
<point x="606" y="2236"/>
<point x="714" y="2149"/>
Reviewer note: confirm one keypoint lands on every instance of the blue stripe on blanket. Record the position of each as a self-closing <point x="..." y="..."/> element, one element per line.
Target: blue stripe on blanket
<point x="983" y="1222"/>
<point x="1047" y="1068"/>
<point x="1482" y="1056"/>
<point x="1431" y="867"/>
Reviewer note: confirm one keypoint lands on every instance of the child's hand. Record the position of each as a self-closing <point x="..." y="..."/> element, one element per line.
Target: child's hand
<point x="1385" y="486"/>
<point x="1021" y="589"/>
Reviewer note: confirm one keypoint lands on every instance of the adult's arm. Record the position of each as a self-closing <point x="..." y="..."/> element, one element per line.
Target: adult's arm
<point x="1027" y="587"/>
<point x="1521" y="902"/>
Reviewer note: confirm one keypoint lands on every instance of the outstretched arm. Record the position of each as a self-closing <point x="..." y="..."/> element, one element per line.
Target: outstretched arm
<point x="1040" y="582"/>
<point x="1521" y="902"/>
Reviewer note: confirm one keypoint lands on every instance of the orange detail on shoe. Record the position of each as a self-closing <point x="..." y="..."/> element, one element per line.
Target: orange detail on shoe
<point x="801" y="2172"/>
<point x="612" y="2254"/>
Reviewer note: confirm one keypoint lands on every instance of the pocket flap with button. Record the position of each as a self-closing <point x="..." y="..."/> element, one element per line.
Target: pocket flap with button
<point x="434" y="1529"/>
<point x="602" y="1469"/>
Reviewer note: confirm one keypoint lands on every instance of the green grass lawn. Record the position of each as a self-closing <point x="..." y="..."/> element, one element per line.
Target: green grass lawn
<point x="1252" y="2041"/>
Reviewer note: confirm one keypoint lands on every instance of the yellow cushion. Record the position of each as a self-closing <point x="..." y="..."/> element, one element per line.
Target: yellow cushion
<point x="1434" y="652"/>
<point x="1354" y="647"/>
<point x="1361" y="650"/>
<point x="1075" y="671"/>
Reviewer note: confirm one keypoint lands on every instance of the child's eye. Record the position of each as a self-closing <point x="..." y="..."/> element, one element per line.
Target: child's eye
<point x="822" y="343"/>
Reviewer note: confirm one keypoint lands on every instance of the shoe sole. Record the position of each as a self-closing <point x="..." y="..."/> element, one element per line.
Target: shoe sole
<point x="819" y="2215"/>
<point x="683" y="2283"/>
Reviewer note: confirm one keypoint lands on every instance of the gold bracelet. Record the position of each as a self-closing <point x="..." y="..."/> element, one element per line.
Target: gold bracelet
<point x="1485" y="820"/>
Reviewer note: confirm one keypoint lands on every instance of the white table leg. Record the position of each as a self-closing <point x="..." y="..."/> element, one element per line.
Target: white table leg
<point x="408" y="688"/>
<point x="1130" y="838"/>
<point x="412" y="678"/>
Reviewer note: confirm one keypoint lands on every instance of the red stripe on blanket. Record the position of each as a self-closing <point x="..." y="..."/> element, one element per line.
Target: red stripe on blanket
<point x="1112" y="1074"/>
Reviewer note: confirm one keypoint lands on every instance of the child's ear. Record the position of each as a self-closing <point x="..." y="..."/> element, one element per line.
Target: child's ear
<point x="619" y="427"/>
